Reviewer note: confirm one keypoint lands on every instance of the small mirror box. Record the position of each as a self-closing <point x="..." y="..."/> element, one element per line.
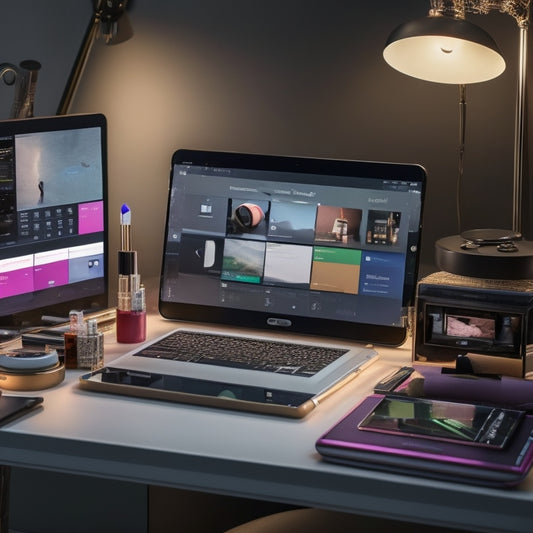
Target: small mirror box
<point x="488" y="320"/>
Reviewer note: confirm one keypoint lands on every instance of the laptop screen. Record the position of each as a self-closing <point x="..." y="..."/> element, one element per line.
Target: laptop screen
<point x="53" y="238"/>
<point x="304" y="245"/>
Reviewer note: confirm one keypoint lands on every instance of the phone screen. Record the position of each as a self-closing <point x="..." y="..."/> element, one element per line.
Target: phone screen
<point x="474" y="424"/>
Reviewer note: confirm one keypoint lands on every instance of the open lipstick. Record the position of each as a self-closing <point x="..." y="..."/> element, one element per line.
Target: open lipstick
<point x="131" y="304"/>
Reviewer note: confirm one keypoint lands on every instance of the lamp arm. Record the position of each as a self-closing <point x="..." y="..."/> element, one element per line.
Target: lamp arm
<point x="79" y="66"/>
<point x="106" y="13"/>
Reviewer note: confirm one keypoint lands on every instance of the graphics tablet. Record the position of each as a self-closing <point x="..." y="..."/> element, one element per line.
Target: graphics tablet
<point x="452" y="441"/>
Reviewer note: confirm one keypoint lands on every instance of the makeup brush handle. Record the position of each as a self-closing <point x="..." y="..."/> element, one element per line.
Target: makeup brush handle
<point x="514" y="393"/>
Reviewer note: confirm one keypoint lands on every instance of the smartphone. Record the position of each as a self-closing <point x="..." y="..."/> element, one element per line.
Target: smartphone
<point x="468" y="423"/>
<point x="13" y="407"/>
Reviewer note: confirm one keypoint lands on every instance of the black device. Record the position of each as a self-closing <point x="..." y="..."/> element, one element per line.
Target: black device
<point x="487" y="254"/>
<point x="390" y="382"/>
<point x="13" y="407"/>
<point x="490" y="320"/>
<point x="53" y="217"/>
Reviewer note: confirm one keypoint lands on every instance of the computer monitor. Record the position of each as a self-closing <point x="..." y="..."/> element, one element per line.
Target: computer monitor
<point x="53" y="217"/>
<point x="302" y="245"/>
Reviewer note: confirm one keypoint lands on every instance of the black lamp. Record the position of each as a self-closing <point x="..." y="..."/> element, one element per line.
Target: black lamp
<point x="445" y="48"/>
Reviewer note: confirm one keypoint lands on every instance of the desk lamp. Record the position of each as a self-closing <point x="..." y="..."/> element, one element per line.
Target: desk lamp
<point x="109" y="20"/>
<point x="445" y="48"/>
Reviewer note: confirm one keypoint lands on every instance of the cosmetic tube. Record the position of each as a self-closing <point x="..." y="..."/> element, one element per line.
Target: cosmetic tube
<point x="131" y="306"/>
<point x="131" y="303"/>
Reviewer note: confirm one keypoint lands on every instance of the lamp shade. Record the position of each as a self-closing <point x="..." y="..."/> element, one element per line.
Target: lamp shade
<point x="443" y="49"/>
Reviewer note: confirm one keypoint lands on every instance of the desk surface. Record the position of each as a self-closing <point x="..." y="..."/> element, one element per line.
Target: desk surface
<point x="240" y="454"/>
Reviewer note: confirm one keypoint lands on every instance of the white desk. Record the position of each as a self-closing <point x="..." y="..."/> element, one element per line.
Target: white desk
<point x="239" y="454"/>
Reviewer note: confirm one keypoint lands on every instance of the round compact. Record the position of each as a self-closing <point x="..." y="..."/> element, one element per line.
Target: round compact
<point x="21" y="359"/>
<point x="25" y="370"/>
<point x="32" y="379"/>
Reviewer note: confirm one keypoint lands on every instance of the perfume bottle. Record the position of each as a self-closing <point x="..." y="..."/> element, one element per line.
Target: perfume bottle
<point x="71" y="339"/>
<point x="91" y="347"/>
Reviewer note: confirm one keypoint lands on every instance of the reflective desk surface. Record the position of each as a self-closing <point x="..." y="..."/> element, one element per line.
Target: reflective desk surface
<point x="239" y="454"/>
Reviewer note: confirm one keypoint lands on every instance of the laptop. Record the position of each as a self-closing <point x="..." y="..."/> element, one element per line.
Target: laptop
<point x="313" y="255"/>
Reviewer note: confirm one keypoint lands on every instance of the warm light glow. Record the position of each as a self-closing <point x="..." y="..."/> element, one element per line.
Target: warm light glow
<point x="444" y="49"/>
<point x="443" y="59"/>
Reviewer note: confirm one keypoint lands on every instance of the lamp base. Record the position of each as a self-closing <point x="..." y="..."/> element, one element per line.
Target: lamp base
<point x="506" y="257"/>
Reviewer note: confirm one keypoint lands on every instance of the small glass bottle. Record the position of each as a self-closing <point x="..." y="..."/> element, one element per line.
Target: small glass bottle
<point x="91" y="347"/>
<point x="71" y="339"/>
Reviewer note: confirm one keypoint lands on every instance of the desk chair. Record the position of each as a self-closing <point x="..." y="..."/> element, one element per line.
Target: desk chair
<point x="320" y="521"/>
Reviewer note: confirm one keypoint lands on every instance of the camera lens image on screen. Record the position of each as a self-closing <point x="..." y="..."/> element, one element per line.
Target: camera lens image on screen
<point x="248" y="218"/>
<point x="249" y="215"/>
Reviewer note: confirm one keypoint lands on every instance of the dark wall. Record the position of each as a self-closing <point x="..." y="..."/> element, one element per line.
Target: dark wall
<point x="49" y="32"/>
<point x="296" y="77"/>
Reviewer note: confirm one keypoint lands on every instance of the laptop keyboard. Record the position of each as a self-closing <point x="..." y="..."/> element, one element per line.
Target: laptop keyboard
<point x="246" y="353"/>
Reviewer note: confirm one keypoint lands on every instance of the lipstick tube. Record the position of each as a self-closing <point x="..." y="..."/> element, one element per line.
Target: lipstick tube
<point x="131" y="303"/>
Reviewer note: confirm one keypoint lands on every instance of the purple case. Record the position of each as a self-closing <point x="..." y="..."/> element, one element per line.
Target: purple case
<point x="346" y="444"/>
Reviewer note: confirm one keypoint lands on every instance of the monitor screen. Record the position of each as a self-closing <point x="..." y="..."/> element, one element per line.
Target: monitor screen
<point x="307" y="245"/>
<point x="53" y="212"/>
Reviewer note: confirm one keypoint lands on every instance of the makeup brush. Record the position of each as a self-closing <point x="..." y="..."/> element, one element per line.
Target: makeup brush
<point x="504" y="391"/>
